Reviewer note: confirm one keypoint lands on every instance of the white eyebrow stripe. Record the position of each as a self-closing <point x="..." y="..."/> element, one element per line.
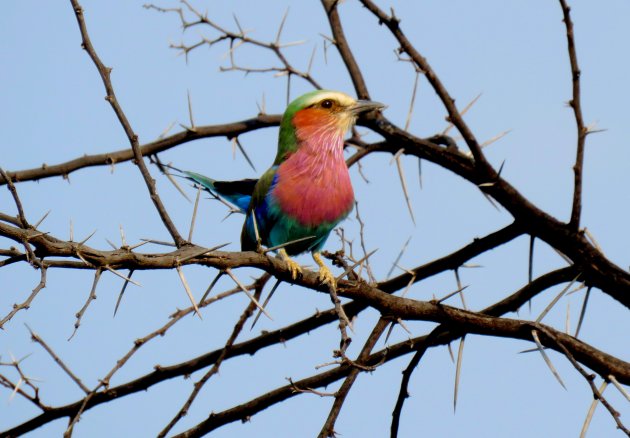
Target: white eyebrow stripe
<point x="340" y="97"/>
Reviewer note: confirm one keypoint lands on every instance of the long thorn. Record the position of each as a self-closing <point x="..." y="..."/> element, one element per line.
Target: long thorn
<point x="255" y="222"/>
<point x="582" y="312"/>
<point x="203" y="251"/>
<point x="229" y="272"/>
<point x="122" y="236"/>
<point x="122" y="291"/>
<point x="113" y="271"/>
<point x="546" y="358"/>
<point x="555" y="300"/>
<point x="282" y="245"/>
<point x="39" y="222"/>
<point x="281" y="27"/>
<point x="462" y="112"/>
<point x="194" y="215"/>
<point x="188" y="291"/>
<point x="240" y="148"/>
<point x="458" y="369"/>
<point x="461" y="289"/>
<point x="212" y="284"/>
<point x="621" y="389"/>
<point x="190" y="112"/>
<point x="403" y="183"/>
<point x="455" y="292"/>
<point x="400" y="254"/>
<point x="273" y="289"/>
<point x="591" y="410"/>
<point x="530" y="267"/>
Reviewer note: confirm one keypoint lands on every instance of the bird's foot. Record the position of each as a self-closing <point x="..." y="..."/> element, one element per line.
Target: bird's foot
<point x="324" y="275"/>
<point x="294" y="267"/>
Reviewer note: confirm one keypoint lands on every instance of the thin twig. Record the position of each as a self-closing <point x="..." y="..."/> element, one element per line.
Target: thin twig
<point x="91" y="297"/>
<point x="36" y="338"/>
<point x="330" y="6"/>
<point x="597" y="393"/>
<point x="247" y="313"/>
<point x="403" y="393"/>
<point x="27" y="303"/>
<point x="576" y="104"/>
<point x="105" y="73"/>
<point x="328" y="429"/>
<point x="18" y="204"/>
<point x="454" y="116"/>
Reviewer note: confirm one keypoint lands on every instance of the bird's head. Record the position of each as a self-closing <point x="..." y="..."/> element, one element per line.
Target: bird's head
<point x="319" y="114"/>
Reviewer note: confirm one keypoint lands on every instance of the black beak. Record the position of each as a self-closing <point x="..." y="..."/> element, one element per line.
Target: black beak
<point x="363" y="106"/>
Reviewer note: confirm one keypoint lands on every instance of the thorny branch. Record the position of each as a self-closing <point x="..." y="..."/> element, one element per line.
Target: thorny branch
<point x="228" y="130"/>
<point x="24" y="379"/>
<point x="328" y="429"/>
<point x="235" y="40"/>
<point x="105" y="73"/>
<point x="597" y="394"/>
<point x="454" y="116"/>
<point x="247" y="313"/>
<point x="576" y="104"/>
<point x="403" y="393"/>
<point x="330" y="6"/>
<point x="512" y="328"/>
<point x="27" y="303"/>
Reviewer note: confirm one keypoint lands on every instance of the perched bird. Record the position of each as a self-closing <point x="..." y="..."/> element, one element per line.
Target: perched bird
<point x="307" y="191"/>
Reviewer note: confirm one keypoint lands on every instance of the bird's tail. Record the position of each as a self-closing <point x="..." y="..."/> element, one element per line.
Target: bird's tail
<point x="237" y="193"/>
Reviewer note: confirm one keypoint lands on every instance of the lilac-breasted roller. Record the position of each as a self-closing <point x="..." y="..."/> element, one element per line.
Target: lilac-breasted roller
<point x="307" y="191"/>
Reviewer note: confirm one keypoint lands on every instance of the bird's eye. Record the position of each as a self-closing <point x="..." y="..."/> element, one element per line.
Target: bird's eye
<point x="327" y="103"/>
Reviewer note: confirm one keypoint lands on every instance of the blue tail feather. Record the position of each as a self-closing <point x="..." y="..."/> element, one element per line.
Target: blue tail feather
<point x="238" y="193"/>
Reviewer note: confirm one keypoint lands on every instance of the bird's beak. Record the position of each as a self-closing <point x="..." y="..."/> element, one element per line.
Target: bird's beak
<point x="363" y="106"/>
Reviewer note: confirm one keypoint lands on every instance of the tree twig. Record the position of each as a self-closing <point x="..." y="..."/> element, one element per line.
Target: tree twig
<point x="576" y="104"/>
<point x="105" y="73"/>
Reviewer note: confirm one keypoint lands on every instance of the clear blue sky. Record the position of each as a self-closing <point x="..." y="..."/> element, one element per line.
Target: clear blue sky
<point x="514" y="53"/>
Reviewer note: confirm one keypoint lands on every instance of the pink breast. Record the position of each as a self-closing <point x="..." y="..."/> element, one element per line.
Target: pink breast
<point x="314" y="191"/>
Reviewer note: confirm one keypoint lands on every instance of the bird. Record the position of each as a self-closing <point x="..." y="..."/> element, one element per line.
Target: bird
<point x="307" y="191"/>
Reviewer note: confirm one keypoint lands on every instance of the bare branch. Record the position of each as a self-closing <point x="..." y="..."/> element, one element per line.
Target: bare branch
<point x="228" y="130"/>
<point x="105" y="73"/>
<point x="576" y="104"/>
<point x="330" y="6"/>
<point x="454" y="116"/>
<point x="27" y="303"/>
<point x="247" y="313"/>
<point x="36" y="338"/>
<point x="328" y="429"/>
<point x="91" y="297"/>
